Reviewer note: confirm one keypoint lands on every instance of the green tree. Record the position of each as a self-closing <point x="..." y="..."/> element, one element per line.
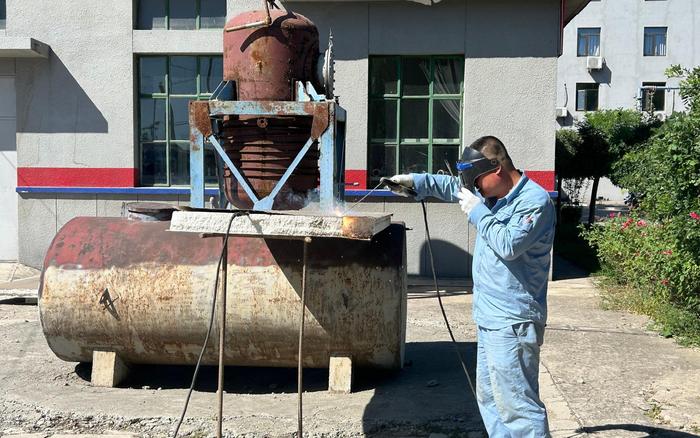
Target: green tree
<point x="690" y="86"/>
<point x="606" y="136"/>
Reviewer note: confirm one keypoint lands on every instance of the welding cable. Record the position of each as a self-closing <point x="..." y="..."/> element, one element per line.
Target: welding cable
<point x="211" y="322"/>
<point x="363" y="198"/>
<point x="439" y="297"/>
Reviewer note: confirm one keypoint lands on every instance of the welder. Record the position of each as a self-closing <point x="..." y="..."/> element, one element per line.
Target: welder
<point x="514" y="219"/>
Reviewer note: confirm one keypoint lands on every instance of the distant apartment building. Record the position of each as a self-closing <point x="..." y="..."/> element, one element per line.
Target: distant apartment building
<point x="615" y="53"/>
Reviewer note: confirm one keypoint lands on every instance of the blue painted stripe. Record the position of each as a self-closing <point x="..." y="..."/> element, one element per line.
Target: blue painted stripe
<point x="377" y="193"/>
<point x="176" y="191"/>
<point x="115" y="190"/>
<point x="388" y="193"/>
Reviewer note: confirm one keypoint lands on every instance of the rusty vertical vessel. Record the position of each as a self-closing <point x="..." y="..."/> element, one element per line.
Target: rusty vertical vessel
<point x="264" y="64"/>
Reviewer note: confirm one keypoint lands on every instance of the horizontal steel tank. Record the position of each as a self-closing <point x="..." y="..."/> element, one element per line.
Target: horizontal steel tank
<point x="137" y="289"/>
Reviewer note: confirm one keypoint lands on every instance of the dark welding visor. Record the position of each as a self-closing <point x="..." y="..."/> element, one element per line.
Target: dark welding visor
<point x="472" y="165"/>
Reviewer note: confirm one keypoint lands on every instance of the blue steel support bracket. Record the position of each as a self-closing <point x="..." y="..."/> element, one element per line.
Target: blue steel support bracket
<point x="302" y="96"/>
<point x="233" y="169"/>
<point x="196" y="168"/>
<point x="267" y="201"/>
<point x="327" y="165"/>
<point x="329" y="162"/>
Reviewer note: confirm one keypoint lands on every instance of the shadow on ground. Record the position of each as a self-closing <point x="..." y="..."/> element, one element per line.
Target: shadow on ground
<point x="430" y="395"/>
<point x="238" y="380"/>
<point x="651" y="431"/>
<point x="563" y="269"/>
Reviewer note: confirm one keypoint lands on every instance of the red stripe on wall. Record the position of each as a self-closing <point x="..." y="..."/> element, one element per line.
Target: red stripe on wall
<point x="128" y="177"/>
<point x="356" y="176"/>
<point x="77" y="177"/>
<point x="545" y="178"/>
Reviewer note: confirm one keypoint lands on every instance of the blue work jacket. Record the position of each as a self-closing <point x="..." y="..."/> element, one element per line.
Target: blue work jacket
<point x="510" y="266"/>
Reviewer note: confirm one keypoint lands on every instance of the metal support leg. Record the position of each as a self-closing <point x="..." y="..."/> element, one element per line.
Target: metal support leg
<point x="196" y="168"/>
<point x="327" y="166"/>
<point x="222" y="339"/>
<point x="300" y="366"/>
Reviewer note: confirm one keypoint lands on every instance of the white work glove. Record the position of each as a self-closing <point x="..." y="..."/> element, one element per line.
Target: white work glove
<point x="467" y="200"/>
<point x="404" y="180"/>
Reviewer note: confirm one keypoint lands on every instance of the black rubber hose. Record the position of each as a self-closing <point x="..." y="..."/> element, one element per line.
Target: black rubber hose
<point x="442" y="308"/>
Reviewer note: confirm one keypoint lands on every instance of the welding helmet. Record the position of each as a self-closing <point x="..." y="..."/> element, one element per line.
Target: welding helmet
<point x="472" y="165"/>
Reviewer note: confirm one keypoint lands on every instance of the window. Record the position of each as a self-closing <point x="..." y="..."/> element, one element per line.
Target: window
<point x="415" y="114"/>
<point x="181" y="14"/>
<point x="588" y="41"/>
<point x="166" y="85"/>
<point x="652" y="98"/>
<point x="586" y="97"/>
<point x="655" y="41"/>
<point x="3" y="13"/>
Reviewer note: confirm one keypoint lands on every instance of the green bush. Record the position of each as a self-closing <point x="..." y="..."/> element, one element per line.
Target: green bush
<point x="651" y="258"/>
<point x="650" y="270"/>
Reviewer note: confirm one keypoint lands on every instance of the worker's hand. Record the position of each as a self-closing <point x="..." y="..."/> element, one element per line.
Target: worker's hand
<point x="467" y="200"/>
<point x="404" y="180"/>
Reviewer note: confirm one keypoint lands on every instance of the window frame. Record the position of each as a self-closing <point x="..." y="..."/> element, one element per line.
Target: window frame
<point x="654" y="38"/>
<point x="399" y="96"/>
<point x="3" y="14"/>
<point x="587" y="39"/>
<point x="587" y="89"/>
<point x="166" y="96"/>
<point x="662" y="98"/>
<point x="197" y="16"/>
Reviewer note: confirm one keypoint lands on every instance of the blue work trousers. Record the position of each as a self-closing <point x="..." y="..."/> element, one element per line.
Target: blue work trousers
<point x="507" y="388"/>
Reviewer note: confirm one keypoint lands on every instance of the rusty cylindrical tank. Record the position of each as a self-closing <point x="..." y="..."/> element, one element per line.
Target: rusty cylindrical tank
<point x="264" y="64"/>
<point x="134" y="288"/>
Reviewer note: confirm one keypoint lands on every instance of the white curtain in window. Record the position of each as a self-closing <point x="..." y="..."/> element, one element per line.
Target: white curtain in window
<point x="660" y="45"/>
<point x="594" y="45"/>
<point x="446" y="81"/>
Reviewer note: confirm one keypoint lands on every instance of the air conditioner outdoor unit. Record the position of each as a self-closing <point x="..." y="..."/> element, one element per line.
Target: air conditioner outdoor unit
<point x="562" y="112"/>
<point x="594" y="62"/>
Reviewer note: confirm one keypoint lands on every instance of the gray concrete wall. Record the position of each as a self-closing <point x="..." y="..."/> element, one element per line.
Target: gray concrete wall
<point x="78" y="106"/>
<point x="622" y="25"/>
<point x="8" y="162"/>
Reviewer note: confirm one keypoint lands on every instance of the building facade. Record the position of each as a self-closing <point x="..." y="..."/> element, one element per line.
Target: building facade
<point x="616" y="51"/>
<point x="615" y="54"/>
<point x="101" y="91"/>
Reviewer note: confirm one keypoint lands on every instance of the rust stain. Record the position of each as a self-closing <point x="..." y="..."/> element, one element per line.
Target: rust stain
<point x="199" y="117"/>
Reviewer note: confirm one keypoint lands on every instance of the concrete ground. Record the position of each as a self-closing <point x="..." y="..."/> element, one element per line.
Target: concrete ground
<point x="603" y="374"/>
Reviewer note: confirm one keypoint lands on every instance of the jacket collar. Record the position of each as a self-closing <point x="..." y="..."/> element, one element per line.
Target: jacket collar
<point x="513" y="193"/>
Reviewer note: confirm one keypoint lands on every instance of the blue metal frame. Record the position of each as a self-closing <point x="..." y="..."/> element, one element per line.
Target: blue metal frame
<point x="331" y="165"/>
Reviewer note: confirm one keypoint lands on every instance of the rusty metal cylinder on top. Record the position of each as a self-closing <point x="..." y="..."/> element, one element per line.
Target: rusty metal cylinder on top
<point x="264" y="62"/>
<point x="145" y="293"/>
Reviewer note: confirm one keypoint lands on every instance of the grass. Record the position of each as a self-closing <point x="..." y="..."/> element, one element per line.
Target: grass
<point x="668" y="320"/>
